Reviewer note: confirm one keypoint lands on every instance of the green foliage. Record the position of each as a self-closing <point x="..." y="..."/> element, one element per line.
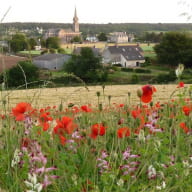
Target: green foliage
<point x="136" y="28"/>
<point x="61" y="50"/>
<point x="16" y="75"/>
<point x="165" y="78"/>
<point x="175" y="48"/>
<point x="86" y="66"/>
<point x="52" y="50"/>
<point x="18" y="42"/>
<point x="52" y="42"/>
<point x="152" y="37"/>
<point x="140" y="70"/>
<point x="127" y="69"/>
<point x="76" y="39"/>
<point x="134" y="79"/>
<point x="102" y="37"/>
<point x="44" y="51"/>
<point x="32" y="43"/>
<point x="136" y="70"/>
<point x="64" y="80"/>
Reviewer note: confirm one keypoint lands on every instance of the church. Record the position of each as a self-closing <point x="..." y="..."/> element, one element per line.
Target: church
<point x="65" y="35"/>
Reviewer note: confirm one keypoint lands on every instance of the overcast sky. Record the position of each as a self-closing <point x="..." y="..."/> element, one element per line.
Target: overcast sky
<point x="98" y="11"/>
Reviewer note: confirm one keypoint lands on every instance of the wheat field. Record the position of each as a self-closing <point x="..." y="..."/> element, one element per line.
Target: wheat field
<point x="81" y="96"/>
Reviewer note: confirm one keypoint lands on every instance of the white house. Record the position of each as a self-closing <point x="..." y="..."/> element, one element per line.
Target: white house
<point x="51" y="61"/>
<point x="127" y="56"/>
<point x="118" y="37"/>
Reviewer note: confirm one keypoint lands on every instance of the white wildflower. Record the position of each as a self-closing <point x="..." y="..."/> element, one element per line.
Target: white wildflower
<point x="152" y="172"/>
<point x="32" y="183"/>
<point x="74" y="178"/>
<point x="179" y="70"/>
<point x="141" y="136"/>
<point x="162" y="186"/>
<point x="120" y="182"/>
<point x="16" y="158"/>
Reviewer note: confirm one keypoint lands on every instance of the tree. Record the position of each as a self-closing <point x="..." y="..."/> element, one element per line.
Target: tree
<point x="32" y="43"/>
<point x="61" y="50"/>
<point x="17" y="74"/>
<point x="76" y="39"/>
<point x="52" y="42"/>
<point x="18" y="42"/>
<point x="86" y="66"/>
<point x="174" y="48"/>
<point x="102" y="37"/>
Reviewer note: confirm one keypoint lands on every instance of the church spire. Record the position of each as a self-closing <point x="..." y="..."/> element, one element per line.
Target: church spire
<point x="75" y="14"/>
<point x="75" y="22"/>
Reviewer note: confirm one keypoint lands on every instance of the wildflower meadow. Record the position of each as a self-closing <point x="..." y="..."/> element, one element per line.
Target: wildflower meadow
<point x="116" y="147"/>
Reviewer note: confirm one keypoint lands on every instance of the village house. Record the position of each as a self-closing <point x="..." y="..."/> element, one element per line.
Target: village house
<point x="96" y="51"/>
<point x="91" y="39"/>
<point x="127" y="56"/>
<point x="65" y="35"/>
<point x="120" y="37"/>
<point x="51" y="61"/>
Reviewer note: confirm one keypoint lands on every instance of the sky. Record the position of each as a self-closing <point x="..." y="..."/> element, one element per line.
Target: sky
<point x="98" y="11"/>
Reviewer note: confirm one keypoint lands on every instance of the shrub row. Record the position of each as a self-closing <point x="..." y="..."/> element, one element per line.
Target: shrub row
<point x="136" y="70"/>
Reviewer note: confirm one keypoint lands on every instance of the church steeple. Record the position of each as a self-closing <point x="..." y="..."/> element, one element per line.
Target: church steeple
<point x="75" y="22"/>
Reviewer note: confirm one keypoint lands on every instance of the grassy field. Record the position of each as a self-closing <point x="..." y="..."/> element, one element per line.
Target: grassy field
<point x="81" y="95"/>
<point x="33" y="52"/>
<point x="148" y="49"/>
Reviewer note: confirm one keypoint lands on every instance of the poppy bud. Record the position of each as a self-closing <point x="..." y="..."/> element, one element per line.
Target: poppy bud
<point x="139" y="92"/>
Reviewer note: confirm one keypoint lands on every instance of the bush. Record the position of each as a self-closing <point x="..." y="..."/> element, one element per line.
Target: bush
<point x="127" y="69"/>
<point x="134" y="79"/>
<point x="44" y="51"/>
<point x="51" y="50"/>
<point x="64" y="80"/>
<point x="117" y="65"/>
<point x="115" y="68"/>
<point x="61" y="50"/>
<point x="139" y="70"/>
<point x="165" y="78"/>
<point x="16" y="75"/>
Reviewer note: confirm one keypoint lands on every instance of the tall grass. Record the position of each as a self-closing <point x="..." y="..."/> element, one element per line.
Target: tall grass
<point x="98" y="146"/>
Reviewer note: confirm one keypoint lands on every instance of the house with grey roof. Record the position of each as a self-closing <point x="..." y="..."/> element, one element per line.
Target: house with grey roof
<point x="96" y="51"/>
<point x="51" y="61"/>
<point x="127" y="56"/>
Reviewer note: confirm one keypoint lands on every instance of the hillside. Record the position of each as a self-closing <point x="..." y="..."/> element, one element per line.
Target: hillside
<point x="137" y="28"/>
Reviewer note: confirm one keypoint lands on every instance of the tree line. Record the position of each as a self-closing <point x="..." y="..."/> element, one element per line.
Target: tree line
<point x="86" y="28"/>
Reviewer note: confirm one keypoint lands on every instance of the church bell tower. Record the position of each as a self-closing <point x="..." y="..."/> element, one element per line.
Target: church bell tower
<point x="75" y="22"/>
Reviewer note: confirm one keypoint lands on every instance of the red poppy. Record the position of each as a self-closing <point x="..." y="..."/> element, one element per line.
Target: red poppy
<point x="65" y="125"/>
<point x="85" y="108"/>
<point x="120" y="121"/>
<point x="20" y="110"/>
<point x="186" y="110"/>
<point x="97" y="129"/>
<point x="135" y="113"/>
<point x="123" y="132"/>
<point x="142" y="123"/>
<point x="181" y="84"/>
<point x="44" y="118"/>
<point x="184" y="127"/>
<point x="146" y="92"/>
<point x="75" y="109"/>
<point x="62" y="139"/>
<point x="121" y="105"/>
<point x="25" y="142"/>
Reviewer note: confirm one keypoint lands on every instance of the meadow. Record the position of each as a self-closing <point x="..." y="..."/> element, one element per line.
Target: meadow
<point x="81" y="95"/>
<point x="97" y="139"/>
